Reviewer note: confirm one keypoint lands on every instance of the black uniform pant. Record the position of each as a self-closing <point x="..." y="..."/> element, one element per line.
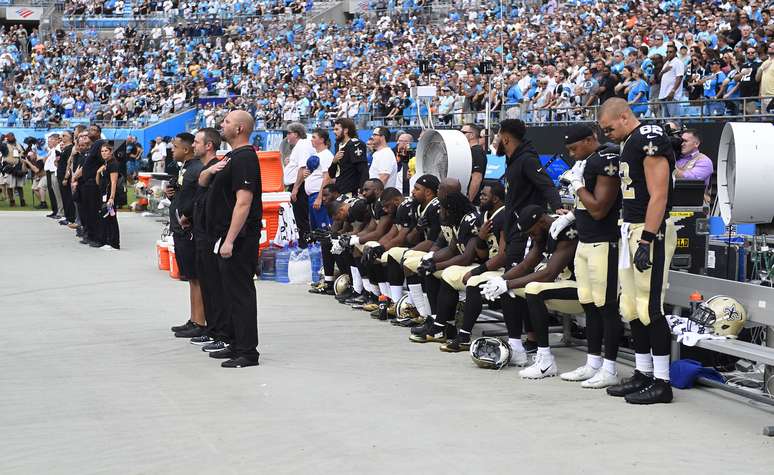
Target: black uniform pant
<point x="108" y="232"/>
<point x="50" y="178"/>
<point x="217" y="308"/>
<point x="301" y="213"/>
<point x="328" y="259"/>
<point x="236" y="274"/>
<point x="90" y="206"/>
<point x="67" y="200"/>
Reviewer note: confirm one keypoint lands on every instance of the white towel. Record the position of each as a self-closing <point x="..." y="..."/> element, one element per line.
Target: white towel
<point x="624" y="260"/>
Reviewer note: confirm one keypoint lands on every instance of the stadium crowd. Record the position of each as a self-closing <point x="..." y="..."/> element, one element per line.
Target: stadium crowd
<point x="550" y="62"/>
<point x="186" y="9"/>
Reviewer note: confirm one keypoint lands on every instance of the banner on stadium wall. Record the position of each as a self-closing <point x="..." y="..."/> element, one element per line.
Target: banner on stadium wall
<point x="23" y="13"/>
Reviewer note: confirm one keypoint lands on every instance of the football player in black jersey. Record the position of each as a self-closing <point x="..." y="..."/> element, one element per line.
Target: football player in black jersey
<point x="490" y="233"/>
<point x="597" y="188"/>
<point x="350" y="164"/>
<point x="648" y="240"/>
<point x="460" y="214"/>
<point x="378" y="225"/>
<point x="543" y="280"/>
<point x="425" y="227"/>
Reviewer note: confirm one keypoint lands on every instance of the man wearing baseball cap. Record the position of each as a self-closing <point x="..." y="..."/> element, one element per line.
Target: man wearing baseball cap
<point x="542" y="287"/>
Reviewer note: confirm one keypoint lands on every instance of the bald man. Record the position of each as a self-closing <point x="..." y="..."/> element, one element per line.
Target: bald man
<point x="234" y="212"/>
<point x="648" y="241"/>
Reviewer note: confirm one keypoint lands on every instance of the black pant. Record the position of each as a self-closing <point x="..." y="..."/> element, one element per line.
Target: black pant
<point x="217" y="308"/>
<point x="108" y="231"/>
<point x="301" y="213"/>
<point x="236" y="275"/>
<point x="50" y="178"/>
<point x="67" y="199"/>
<point x="90" y="205"/>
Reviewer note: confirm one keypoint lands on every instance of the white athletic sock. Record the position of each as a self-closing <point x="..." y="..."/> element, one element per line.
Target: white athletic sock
<point x="396" y="291"/>
<point x="644" y="363"/>
<point x="594" y="361"/>
<point x="609" y="366"/>
<point x="545" y="354"/>
<point x="516" y="345"/>
<point x="384" y="288"/>
<point x="369" y="286"/>
<point x="415" y="290"/>
<point x="328" y="278"/>
<point x="357" y="280"/>
<point x="661" y="367"/>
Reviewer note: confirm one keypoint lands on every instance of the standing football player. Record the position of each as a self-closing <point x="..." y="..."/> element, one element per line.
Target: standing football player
<point x="597" y="189"/>
<point x="648" y="240"/>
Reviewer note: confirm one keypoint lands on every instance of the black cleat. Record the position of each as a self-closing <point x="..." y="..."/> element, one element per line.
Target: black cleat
<point x="345" y="295"/>
<point x="631" y="385"/>
<point x="186" y="326"/>
<point x="659" y="391"/>
<point x="191" y="332"/>
<point x="429" y="332"/>
<point x="530" y="346"/>
<point x="458" y="344"/>
<point x="240" y="362"/>
<point x="356" y="299"/>
<point x="226" y="354"/>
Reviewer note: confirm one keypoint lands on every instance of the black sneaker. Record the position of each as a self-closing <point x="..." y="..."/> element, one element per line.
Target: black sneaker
<point x="64" y="222"/>
<point x="225" y="354"/>
<point x="659" y="391"/>
<point x="637" y="382"/>
<point x="95" y="244"/>
<point x="201" y="340"/>
<point x="85" y="241"/>
<point x="187" y="325"/>
<point x="241" y="362"/>
<point x="191" y="332"/>
<point x="458" y="344"/>
<point x="214" y="346"/>
<point x="530" y="346"/>
<point x="52" y="215"/>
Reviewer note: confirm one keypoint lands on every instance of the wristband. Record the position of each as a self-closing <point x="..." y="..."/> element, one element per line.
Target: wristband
<point x="479" y="270"/>
<point x="647" y="236"/>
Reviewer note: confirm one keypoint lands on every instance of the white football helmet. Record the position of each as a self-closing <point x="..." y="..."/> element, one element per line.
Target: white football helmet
<point x="490" y="353"/>
<point x="724" y="315"/>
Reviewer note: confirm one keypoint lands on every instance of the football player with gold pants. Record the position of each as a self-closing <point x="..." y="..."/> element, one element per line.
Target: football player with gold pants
<point x="459" y="213"/>
<point x="596" y="186"/>
<point x="648" y="240"/>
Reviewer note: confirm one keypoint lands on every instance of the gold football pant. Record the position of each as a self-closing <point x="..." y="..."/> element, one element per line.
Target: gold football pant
<point x="596" y="272"/>
<point x="642" y="293"/>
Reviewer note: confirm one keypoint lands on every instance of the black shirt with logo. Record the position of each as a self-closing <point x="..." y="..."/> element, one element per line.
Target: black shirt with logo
<point x="603" y="162"/>
<point x="242" y="172"/>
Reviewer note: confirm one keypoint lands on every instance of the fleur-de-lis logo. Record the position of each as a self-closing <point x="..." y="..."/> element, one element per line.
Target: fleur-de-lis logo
<point x="650" y="149"/>
<point x="611" y="169"/>
<point x="572" y="233"/>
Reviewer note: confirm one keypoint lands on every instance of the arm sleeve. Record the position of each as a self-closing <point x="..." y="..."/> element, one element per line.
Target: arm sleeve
<point x="537" y="175"/>
<point x="190" y="186"/>
<point x="245" y="175"/>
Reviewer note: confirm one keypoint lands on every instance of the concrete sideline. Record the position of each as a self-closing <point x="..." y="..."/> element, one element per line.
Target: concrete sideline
<point x="92" y="381"/>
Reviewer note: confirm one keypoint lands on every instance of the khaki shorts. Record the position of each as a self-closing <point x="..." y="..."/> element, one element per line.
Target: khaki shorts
<point x="39" y="183"/>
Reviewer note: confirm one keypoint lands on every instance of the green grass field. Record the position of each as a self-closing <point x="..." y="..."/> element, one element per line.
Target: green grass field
<point x="5" y="205"/>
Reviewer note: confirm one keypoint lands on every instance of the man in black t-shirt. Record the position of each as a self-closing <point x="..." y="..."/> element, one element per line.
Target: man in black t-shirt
<point x="478" y="161"/>
<point x="748" y="85"/>
<point x="182" y="193"/>
<point x="233" y="212"/>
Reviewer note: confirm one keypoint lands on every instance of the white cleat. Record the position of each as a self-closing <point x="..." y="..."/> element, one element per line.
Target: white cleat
<point x="580" y="374"/>
<point x="518" y="358"/>
<point x="601" y="380"/>
<point x="540" y="369"/>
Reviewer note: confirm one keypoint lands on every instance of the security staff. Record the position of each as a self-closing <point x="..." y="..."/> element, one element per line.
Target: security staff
<point x="648" y="241"/>
<point x="233" y="213"/>
<point x="526" y="183"/>
<point x="597" y="189"/>
<point x="220" y="331"/>
<point x="350" y="164"/>
<point x="89" y="194"/>
<point x="182" y="194"/>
